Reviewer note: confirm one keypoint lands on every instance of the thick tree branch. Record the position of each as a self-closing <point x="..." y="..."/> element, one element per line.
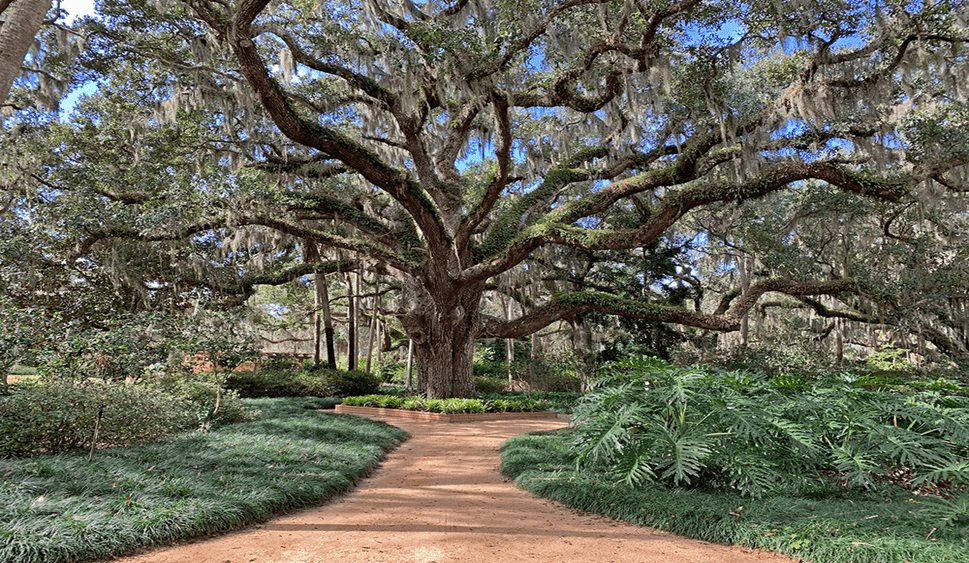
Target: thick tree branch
<point x="585" y="301"/>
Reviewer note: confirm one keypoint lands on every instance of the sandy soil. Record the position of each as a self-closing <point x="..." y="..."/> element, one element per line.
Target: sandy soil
<point x="439" y="498"/>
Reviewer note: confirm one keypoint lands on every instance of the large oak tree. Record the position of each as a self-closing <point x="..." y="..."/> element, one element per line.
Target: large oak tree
<point x="447" y="144"/>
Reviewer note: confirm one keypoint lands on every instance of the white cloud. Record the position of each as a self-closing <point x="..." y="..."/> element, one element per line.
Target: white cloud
<point x="77" y="8"/>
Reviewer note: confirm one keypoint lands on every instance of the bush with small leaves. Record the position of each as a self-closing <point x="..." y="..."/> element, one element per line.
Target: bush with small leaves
<point x="489" y="384"/>
<point x="202" y="395"/>
<point x="52" y="416"/>
<point x="348" y="383"/>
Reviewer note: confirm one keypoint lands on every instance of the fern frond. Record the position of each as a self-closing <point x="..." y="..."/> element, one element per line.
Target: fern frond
<point x="956" y="472"/>
<point x="635" y="467"/>
<point x="605" y="437"/>
<point x="858" y="468"/>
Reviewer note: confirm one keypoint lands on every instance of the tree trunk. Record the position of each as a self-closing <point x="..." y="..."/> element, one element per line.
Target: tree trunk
<point x="317" y="320"/>
<point x="444" y="332"/>
<point x="324" y="297"/>
<point x="21" y="22"/>
<point x="509" y="342"/>
<point x="380" y="342"/>
<point x="410" y="365"/>
<point x="351" y="324"/>
<point x="372" y="329"/>
<point x="582" y="344"/>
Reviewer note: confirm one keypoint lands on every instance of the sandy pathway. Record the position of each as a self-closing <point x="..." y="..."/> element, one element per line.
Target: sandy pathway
<point x="439" y="498"/>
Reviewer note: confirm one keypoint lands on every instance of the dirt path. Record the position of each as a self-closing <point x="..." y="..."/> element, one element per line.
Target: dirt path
<point x="439" y="498"/>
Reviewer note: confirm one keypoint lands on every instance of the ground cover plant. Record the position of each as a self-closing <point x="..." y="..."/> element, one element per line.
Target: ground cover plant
<point x="491" y="403"/>
<point x="59" y="508"/>
<point x="831" y="469"/>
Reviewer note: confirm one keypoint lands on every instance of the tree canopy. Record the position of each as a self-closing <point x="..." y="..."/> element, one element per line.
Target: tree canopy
<point x="817" y="149"/>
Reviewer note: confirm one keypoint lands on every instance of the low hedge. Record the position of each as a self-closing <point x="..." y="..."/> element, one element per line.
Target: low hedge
<point x="46" y="417"/>
<point x="285" y="383"/>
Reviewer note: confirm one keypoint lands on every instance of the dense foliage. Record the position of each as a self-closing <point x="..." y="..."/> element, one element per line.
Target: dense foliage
<point x="487" y="403"/>
<point x="312" y="383"/>
<point x="834" y="526"/>
<point x="60" y="415"/>
<point x="647" y="421"/>
<point x="708" y="164"/>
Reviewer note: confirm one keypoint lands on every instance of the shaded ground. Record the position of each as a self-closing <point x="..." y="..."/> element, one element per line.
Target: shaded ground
<point x="439" y="498"/>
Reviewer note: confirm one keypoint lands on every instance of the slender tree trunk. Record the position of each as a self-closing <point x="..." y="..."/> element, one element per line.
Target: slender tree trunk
<point x="509" y="342"/>
<point x="317" y="321"/>
<point x="582" y="344"/>
<point x="371" y="341"/>
<point x="380" y="342"/>
<point x="351" y="324"/>
<point x="22" y="20"/>
<point x="323" y="293"/>
<point x="410" y="365"/>
<point x="744" y="265"/>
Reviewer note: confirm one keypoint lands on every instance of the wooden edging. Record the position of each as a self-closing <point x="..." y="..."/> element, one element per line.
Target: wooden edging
<point x="422" y="416"/>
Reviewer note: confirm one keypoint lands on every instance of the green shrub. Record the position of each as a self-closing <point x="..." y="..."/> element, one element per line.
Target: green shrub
<point x="349" y="383"/>
<point x="539" y="401"/>
<point x="413" y="403"/>
<point x="647" y="421"/>
<point x="775" y="360"/>
<point x="389" y="370"/>
<point x="462" y="406"/>
<point x="264" y="383"/>
<point x="434" y="405"/>
<point x="489" y="384"/>
<point x="312" y="383"/>
<point x="556" y="373"/>
<point x="58" y="415"/>
<point x="491" y="369"/>
<point x="202" y="395"/>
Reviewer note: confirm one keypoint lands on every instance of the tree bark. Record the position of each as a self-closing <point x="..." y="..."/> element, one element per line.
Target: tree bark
<point x="22" y="20"/>
<point x="410" y="366"/>
<point x="351" y="324"/>
<point x="444" y="328"/>
<point x="371" y="331"/>
<point x="328" y="334"/>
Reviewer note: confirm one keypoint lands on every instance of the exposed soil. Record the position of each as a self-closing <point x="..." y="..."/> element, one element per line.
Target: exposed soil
<point x="439" y="498"/>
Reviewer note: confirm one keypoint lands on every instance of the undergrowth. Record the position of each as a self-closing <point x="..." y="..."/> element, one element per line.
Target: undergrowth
<point x="832" y="470"/>
<point x="61" y="508"/>
<point x="830" y="526"/>
<point x="647" y="421"/>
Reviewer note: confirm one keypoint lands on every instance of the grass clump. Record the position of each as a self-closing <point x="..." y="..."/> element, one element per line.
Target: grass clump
<point x="61" y="508"/>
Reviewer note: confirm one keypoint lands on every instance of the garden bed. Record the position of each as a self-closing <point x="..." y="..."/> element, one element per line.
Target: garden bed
<point x="425" y="416"/>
